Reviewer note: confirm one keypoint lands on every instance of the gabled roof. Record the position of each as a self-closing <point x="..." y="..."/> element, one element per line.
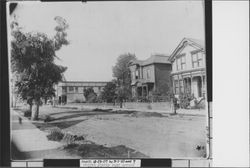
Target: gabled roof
<point x="153" y="59"/>
<point x="190" y="41"/>
<point x="84" y="82"/>
<point x="197" y="42"/>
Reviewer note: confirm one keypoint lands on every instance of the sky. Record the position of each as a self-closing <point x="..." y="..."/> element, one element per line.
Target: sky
<point x="101" y="31"/>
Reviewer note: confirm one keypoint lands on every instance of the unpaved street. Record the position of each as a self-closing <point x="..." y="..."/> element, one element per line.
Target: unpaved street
<point x="153" y="135"/>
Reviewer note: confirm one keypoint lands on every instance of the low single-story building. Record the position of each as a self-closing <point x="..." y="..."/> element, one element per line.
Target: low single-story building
<point x="73" y="91"/>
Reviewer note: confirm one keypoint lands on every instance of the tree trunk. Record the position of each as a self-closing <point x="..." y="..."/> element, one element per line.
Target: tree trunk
<point x="35" y="111"/>
<point x="121" y="101"/>
<point x="30" y="107"/>
<point x="54" y="102"/>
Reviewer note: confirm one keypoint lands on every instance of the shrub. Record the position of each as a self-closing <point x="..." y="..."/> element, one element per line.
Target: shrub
<point x="55" y="134"/>
<point x="185" y="100"/>
<point x="48" y="118"/>
<point x="27" y="113"/>
<point x="78" y="101"/>
<point x="71" y="139"/>
<point x="157" y="96"/>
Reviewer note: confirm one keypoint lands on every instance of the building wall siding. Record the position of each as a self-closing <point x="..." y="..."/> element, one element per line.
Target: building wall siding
<point x="163" y="78"/>
<point x="76" y="93"/>
<point x="187" y="51"/>
<point x="151" y="70"/>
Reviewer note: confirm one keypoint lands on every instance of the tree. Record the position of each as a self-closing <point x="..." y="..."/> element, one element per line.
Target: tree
<point x="109" y="92"/>
<point x="90" y="95"/>
<point x="121" y="72"/>
<point x="32" y="60"/>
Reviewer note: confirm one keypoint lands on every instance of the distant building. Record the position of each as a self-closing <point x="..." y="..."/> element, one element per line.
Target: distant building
<point x="188" y="68"/>
<point x="72" y="91"/>
<point x="150" y="75"/>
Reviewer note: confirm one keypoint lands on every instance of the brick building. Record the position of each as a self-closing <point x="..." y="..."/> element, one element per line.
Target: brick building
<point x="150" y="75"/>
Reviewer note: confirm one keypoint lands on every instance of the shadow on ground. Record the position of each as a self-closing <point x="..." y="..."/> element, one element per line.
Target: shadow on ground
<point x="99" y="151"/>
<point x="61" y="125"/>
<point x="77" y="114"/>
<point x="16" y="154"/>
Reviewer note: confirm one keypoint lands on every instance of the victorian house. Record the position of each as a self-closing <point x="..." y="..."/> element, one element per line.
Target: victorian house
<point x="188" y="68"/>
<point x="150" y="75"/>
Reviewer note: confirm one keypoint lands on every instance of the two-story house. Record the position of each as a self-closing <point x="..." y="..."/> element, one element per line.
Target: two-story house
<point x="150" y="75"/>
<point x="188" y="68"/>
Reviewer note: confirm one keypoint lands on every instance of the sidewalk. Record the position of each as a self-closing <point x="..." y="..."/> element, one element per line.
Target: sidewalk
<point x="27" y="138"/>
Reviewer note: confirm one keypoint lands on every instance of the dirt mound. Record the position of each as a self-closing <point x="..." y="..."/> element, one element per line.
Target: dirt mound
<point x="102" y="110"/>
<point x="145" y="114"/>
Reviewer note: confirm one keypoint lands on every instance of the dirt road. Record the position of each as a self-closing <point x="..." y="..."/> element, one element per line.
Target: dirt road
<point x="154" y="135"/>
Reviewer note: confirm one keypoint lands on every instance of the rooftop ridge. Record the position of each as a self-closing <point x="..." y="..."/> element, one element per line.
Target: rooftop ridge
<point x="84" y="81"/>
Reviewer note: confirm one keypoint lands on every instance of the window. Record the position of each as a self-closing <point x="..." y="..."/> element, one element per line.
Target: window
<point x="133" y="75"/>
<point x="181" y="62"/>
<point x="197" y="59"/>
<point x="76" y="89"/>
<point x="181" y="86"/>
<point x="148" y="73"/>
<point x="64" y="89"/>
<point x="137" y="74"/>
<point x="178" y="64"/>
<point x="71" y="89"/>
<point x="176" y="85"/>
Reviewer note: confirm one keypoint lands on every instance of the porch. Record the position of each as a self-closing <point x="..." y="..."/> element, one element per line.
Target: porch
<point x="142" y="90"/>
<point x="192" y="83"/>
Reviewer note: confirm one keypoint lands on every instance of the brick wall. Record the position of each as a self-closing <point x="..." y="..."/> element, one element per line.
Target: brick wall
<point x="162" y="78"/>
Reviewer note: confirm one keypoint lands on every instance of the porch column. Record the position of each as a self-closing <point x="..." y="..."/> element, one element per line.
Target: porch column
<point x="173" y="82"/>
<point x="147" y="90"/>
<point x="142" y="92"/>
<point x="191" y="81"/>
<point x="202" y="86"/>
<point x="179" y="85"/>
<point x="184" y="84"/>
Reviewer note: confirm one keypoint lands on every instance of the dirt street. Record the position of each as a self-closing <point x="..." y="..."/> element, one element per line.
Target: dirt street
<point x="156" y="136"/>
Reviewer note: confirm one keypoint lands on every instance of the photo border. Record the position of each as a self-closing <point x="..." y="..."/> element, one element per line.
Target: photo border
<point x="5" y="159"/>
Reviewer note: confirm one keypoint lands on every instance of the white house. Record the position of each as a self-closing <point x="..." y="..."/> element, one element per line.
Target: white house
<point x="189" y="68"/>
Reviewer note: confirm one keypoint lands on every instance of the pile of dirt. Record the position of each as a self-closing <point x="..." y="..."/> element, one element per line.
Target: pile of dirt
<point x="123" y="111"/>
<point x="102" y="110"/>
<point x="66" y="107"/>
<point x="145" y="114"/>
<point x="99" y="151"/>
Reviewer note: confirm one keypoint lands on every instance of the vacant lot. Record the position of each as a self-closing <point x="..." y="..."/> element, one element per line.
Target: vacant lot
<point x="152" y="134"/>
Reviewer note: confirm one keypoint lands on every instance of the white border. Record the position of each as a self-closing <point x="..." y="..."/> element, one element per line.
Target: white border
<point x="231" y="83"/>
